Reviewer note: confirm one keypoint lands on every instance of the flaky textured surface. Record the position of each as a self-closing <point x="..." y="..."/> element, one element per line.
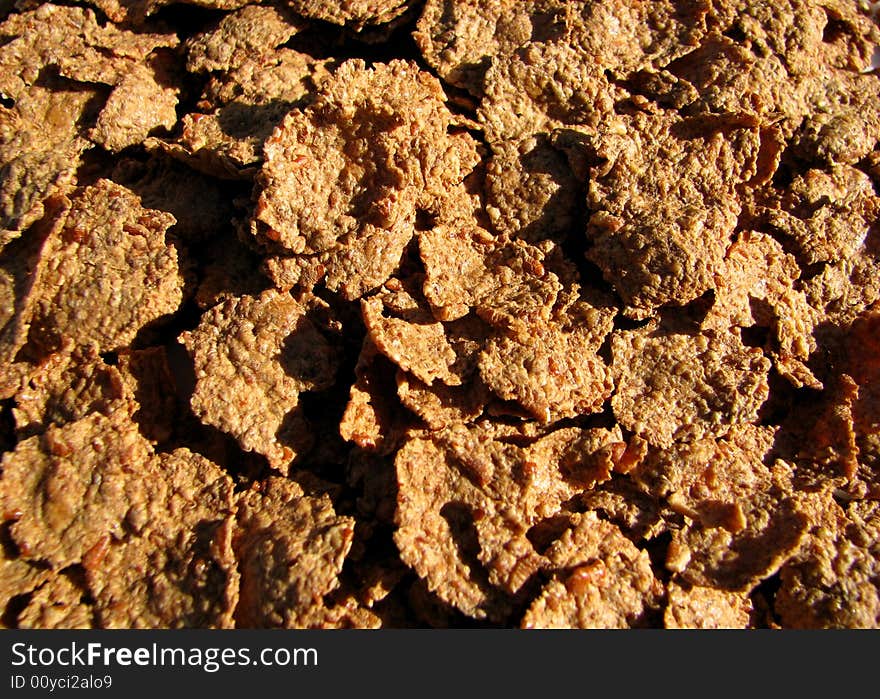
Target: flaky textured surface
<point x="108" y="270"/>
<point x="253" y="356"/>
<point x="451" y="313"/>
<point x="674" y="387"/>
<point x="291" y="548"/>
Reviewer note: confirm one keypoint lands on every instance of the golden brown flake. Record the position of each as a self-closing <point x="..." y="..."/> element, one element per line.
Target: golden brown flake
<point x="372" y="150"/>
<point x="531" y="192"/>
<point x="353" y="13"/>
<point x="468" y="496"/>
<point x="832" y="582"/>
<point x="40" y="148"/>
<point x="459" y="39"/>
<point x="253" y="356"/>
<point x="411" y="338"/>
<point x="826" y="215"/>
<point x="735" y="548"/>
<point x="67" y="386"/>
<point x="58" y="604"/>
<point x="21" y="266"/>
<point x="107" y="270"/>
<point x="137" y="106"/>
<point x="504" y="281"/>
<point x="759" y="287"/>
<point x="143" y="526"/>
<point x="48" y="482"/>
<point x="673" y="387"/>
<point x="252" y="31"/>
<point x="602" y="581"/>
<point x="369" y="417"/>
<point x="440" y="405"/>
<point x="290" y="548"/>
<point x="557" y="372"/>
<point x="240" y="109"/>
<point x="710" y="481"/>
<point x="543" y="86"/>
<point x="665" y="205"/>
<point x="175" y="567"/>
<point x="136" y="12"/>
<point x="706" y="608"/>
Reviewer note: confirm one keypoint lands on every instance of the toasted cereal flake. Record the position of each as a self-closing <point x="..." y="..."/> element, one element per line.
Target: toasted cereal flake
<point x="228" y="142"/>
<point x="759" y="288"/>
<point x="622" y="502"/>
<point x="146" y="528"/>
<point x="137" y="106"/>
<point x="705" y="608"/>
<point x="801" y="65"/>
<point x="367" y="263"/>
<point x="862" y="352"/>
<point x="369" y="417"/>
<point x="766" y="531"/>
<point x="252" y="31"/>
<point x="826" y="215"/>
<point x="843" y="290"/>
<point x="108" y="272"/>
<point x="18" y="577"/>
<point x="459" y="39"/>
<point x="58" y="604"/>
<point x="72" y="39"/>
<point x="674" y="387"/>
<point x="791" y="30"/>
<point x="290" y="547"/>
<point x="467" y="498"/>
<point x="440" y="405"/>
<point x="531" y="192"/>
<point x="462" y="39"/>
<point x="556" y="373"/>
<point x="820" y="437"/>
<point x="415" y="342"/>
<point x="353" y="13"/>
<point x="374" y="148"/>
<point x="845" y="122"/>
<point x="710" y="481"/>
<point x="602" y="581"/>
<point x="435" y="529"/>
<point x="253" y="356"/>
<point x="455" y="265"/>
<point x="723" y="75"/>
<point x="284" y="75"/>
<point x="833" y="580"/>
<point x="21" y="267"/>
<point x="176" y="568"/>
<point x="73" y="486"/>
<point x="543" y="86"/>
<point x="665" y="205"/>
<point x="504" y="281"/>
<point x="40" y="148"/>
<point x="67" y="386"/>
<point x="240" y="109"/>
<point x="632" y="35"/>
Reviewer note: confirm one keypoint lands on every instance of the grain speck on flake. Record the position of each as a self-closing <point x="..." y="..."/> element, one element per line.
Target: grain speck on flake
<point x="602" y="581"/>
